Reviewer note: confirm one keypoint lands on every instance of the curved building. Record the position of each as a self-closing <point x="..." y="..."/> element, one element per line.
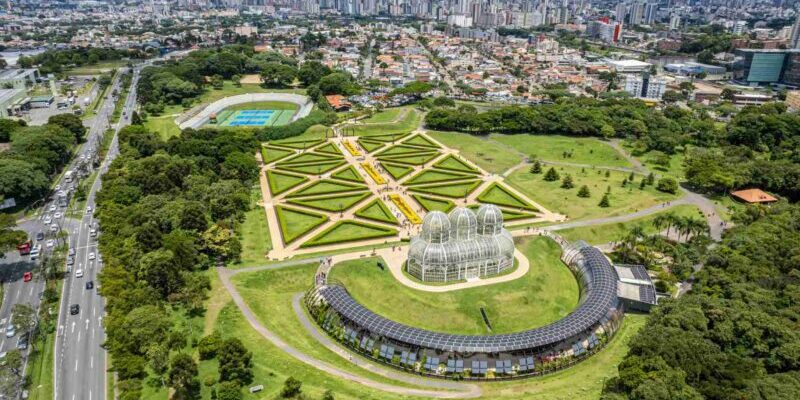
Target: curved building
<point x="461" y="245"/>
<point x="530" y="352"/>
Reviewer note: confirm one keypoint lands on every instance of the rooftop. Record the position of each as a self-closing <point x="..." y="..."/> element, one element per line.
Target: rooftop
<point x="754" y="196"/>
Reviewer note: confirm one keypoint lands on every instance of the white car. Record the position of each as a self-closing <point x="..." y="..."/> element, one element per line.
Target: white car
<point x="58" y="215"/>
<point x="47" y="220"/>
<point x="91" y="256"/>
<point x="54" y="227"/>
<point x="79" y="273"/>
<point x="50" y="242"/>
<point x="89" y="208"/>
<point x="11" y="330"/>
<point x="58" y="187"/>
<point x="52" y="207"/>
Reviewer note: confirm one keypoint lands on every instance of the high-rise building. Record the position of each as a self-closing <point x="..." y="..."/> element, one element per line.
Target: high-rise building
<point x="794" y="39"/>
<point x="645" y="86"/>
<point x="739" y="27"/>
<point x="621" y="12"/>
<point x="674" y="22"/>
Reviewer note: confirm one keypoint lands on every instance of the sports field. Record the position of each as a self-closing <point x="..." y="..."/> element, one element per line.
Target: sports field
<point x="254" y="118"/>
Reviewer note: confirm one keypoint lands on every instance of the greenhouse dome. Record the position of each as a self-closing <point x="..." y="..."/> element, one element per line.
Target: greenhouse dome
<point x="461" y="245"/>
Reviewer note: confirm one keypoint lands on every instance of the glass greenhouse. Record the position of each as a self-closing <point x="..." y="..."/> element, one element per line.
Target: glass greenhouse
<point x="461" y="245"/>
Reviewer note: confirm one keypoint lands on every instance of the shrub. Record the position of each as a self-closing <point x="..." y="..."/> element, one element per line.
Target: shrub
<point x="605" y="202"/>
<point x="551" y="175"/>
<point x="668" y="185"/>
<point x="296" y="128"/>
<point x="536" y="168"/>
<point x="209" y="346"/>
<point x="566" y="183"/>
<point x="291" y="388"/>
<point x="584" y="191"/>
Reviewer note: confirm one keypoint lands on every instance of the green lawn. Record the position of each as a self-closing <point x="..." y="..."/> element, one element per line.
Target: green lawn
<point x="589" y="151"/>
<point x="369" y="145"/>
<point x="271" y="154"/>
<point x="280" y="182"/>
<point x="309" y="158"/>
<point x="40" y="367"/>
<point x="348" y="174"/>
<point x="419" y="140"/>
<point x="407" y="124"/>
<point x="673" y="169"/>
<point x="487" y="154"/>
<point x="548" y="292"/>
<point x="349" y="231"/>
<point x="454" y="163"/>
<point x="433" y="204"/>
<point x="395" y="170"/>
<point x="164" y="126"/>
<point x="411" y="159"/>
<point x="377" y="211"/>
<point x="452" y="190"/>
<point x="98" y="68"/>
<point x="294" y="223"/>
<point x="606" y="233"/>
<point x="326" y="186"/>
<point x="254" y="233"/>
<point x="331" y="203"/>
<point x="499" y="195"/>
<point x="434" y="175"/>
<point x="314" y="169"/>
<point x="387" y="115"/>
<point x="566" y="201"/>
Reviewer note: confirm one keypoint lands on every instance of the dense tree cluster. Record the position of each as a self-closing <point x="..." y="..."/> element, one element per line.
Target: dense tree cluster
<point x="54" y="61"/>
<point x="37" y="154"/>
<point x="736" y="334"/>
<point x="167" y="211"/>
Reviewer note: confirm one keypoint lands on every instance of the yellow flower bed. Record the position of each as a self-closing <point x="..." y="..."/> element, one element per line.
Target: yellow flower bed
<point x="373" y="173"/>
<point x="351" y="148"/>
<point x="405" y="209"/>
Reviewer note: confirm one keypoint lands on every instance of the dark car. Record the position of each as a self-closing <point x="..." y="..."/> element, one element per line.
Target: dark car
<point x="74" y="309"/>
<point x="39" y="236"/>
<point x="90" y="285"/>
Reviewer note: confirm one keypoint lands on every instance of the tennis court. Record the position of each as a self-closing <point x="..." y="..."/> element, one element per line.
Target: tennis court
<point x="254" y="117"/>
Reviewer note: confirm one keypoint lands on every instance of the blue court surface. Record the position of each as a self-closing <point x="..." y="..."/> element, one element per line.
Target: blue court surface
<point x="249" y="118"/>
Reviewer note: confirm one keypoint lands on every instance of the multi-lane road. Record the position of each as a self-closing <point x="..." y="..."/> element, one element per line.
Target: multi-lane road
<point x="80" y="361"/>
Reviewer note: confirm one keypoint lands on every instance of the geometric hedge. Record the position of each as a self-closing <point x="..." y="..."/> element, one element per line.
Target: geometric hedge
<point x="377" y="211"/>
<point x="295" y="223"/>
<point x="499" y="195"/>
<point x="349" y="231"/>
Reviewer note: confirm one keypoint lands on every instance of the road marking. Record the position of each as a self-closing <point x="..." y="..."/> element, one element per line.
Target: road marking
<point x="79" y="336"/>
<point x="76" y="369"/>
<point x="73" y="327"/>
<point x="87" y="323"/>
<point x="91" y="365"/>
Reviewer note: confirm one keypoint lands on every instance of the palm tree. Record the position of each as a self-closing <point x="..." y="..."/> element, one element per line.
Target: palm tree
<point x="660" y="221"/>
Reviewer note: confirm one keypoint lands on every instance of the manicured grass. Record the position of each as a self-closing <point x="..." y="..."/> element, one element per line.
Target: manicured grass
<point x="271" y="154"/>
<point x="331" y="203"/>
<point x="411" y="159"/>
<point x="269" y="295"/>
<point x="408" y="123"/>
<point x="387" y="138"/>
<point x="402" y="149"/>
<point x="395" y="170"/>
<point x="326" y="186"/>
<point x="606" y="233"/>
<point x="387" y="115"/>
<point x="548" y="292"/>
<point x="674" y="168"/>
<point x="487" y="154"/>
<point x="508" y="215"/>
<point x="228" y="89"/>
<point x="164" y="126"/>
<point x="254" y="233"/>
<point x="499" y="195"/>
<point x="97" y="68"/>
<point x="349" y="231"/>
<point x="377" y="211"/>
<point x="318" y="168"/>
<point x="329" y="148"/>
<point x="453" y="190"/>
<point x="348" y="174"/>
<point x="420" y="140"/>
<point x="308" y="158"/>
<point x="40" y="367"/>
<point x="294" y="223"/>
<point x="295" y="143"/>
<point x="280" y="182"/>
<point x="589" y="151"/>
<point x="566" y="201"/>
<point x="434" y="175"/>
<point x="454" y="163"/>
<point x="370" y="145"/>
<point x="433" y="204"/>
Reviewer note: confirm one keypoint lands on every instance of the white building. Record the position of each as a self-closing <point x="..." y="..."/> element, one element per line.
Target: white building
<point x="645" y="86"/>
<point x="629" y="66"/>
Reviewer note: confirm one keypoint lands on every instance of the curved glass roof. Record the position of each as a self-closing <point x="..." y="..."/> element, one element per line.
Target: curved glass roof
<point x="601" y="298"/>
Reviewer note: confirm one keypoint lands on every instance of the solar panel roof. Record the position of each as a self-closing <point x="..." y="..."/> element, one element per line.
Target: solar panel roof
<point x="601" y="298"/>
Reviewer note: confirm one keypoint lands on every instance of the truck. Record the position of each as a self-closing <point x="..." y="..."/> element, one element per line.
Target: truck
<point x="25" y="248"/>
<point x="68" y="176"/>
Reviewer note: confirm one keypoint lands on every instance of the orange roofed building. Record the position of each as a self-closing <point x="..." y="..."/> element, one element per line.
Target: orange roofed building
<point x="754" y="196"/>
<point x="338" y="102"/>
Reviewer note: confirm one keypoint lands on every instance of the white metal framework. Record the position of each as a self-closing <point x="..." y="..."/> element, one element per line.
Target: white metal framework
<point x="460" y="246"/>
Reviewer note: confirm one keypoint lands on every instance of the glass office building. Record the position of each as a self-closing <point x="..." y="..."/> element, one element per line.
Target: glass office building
<point x="767" y="66"/>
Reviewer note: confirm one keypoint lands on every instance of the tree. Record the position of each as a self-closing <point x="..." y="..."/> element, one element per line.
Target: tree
<point x="328" y="395"/>
<point x="235" y="362"/>
<point x="536" y="168"/>
<point x="229" y="391"/>
<point x="671" y="96"/>
<point x="23" y="316"/>
<point x="10" y="237"/>
<point x="605" y="202"/>
<point x="72" y="123"/>
<point x="237" y="80"/>
<point x="551" y="175"/>
<point x="584" y="191"/>
<point x="567" y="183"/>
<point x="209" y="346"/>
<point x="277" y="75"/>
<point x="727" y="94"/>
<point x="338" y="83"/>
<point x="668" y="185"/>
<point x="291" y="388"/>
<point x="7" y="126"/>
<point x="311" y="72"/>
<point x="183" y="377"/>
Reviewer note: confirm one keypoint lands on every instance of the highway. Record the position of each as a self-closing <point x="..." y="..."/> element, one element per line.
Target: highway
<point x="80" y="361"/>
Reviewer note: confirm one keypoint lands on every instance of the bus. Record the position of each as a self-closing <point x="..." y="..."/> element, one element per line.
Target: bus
<point x="68" y="176"/>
